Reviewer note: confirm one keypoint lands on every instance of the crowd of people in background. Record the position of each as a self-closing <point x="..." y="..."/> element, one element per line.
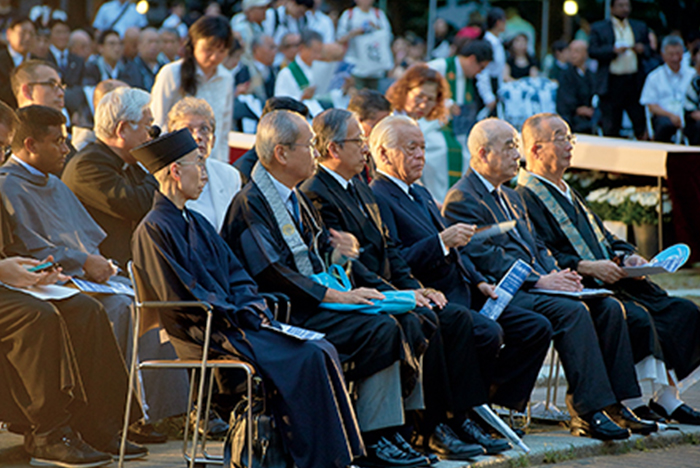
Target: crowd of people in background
<point x="369" y="153"/>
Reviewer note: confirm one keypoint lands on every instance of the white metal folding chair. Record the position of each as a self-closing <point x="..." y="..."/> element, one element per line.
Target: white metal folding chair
<point x="203" y="365"/>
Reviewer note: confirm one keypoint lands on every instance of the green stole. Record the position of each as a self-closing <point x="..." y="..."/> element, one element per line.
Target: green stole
<point x="298" y="75"/>
<point x="531" y="182"/>
<point x="451" y="77"/>
<point x="454" y="155"/>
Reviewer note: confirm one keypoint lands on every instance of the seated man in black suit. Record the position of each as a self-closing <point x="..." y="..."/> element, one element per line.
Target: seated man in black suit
<point x="70" y="66"/>
<point x="578" y="240"/>
<point x="590" y="335"/>
<point x="110" y="62"/>
<point x="347" y="204"/>
<point x="280" y="238"/>
<point x="430" y="249"/>
<point x="246" y="162"/>
<point x="21" y="35"/>
<point x="576" y="90"/>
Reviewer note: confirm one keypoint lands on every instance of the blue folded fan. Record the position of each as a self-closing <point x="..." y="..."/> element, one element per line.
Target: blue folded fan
<point x="395" y="302"/>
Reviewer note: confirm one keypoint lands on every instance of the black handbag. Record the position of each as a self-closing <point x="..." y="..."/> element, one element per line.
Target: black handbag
<point x="268" y="448"/>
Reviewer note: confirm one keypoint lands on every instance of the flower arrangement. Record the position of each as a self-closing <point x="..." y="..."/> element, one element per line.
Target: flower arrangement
<point x="631" y="205"/>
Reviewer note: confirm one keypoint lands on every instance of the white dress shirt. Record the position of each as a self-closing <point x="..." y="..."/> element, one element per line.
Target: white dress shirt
<point x="495" y="69"/>
<point x="666" y="88"/>
<point x="217" y="91"/>
<point x="109" y="11"/>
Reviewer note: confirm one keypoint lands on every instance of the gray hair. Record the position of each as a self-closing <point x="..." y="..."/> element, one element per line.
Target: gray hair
<point x="258" y="40"/>
<point x="172" y="31"/>
<point x="329" y="126"/>
<point x="671" y="40"/>
<point x="121" y="104"/>
<point x="385" y="134"/>
<point x="280" y="127"/>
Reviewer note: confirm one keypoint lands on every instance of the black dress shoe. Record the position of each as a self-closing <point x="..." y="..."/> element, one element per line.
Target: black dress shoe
<point x="65" y="448"/>
<point x="217" y="426"/>
<point x="472" y="433"/>
<point x="385" y="454"/>
<point x="647" y="414"/>
<point x="143" y="433"/>
<point x="597" y="425"/>
<point x="625" y="418"/>
<point x="446" y="444"/>
<point x="132" y="451"/>
<point x="684" y="414"/>
<point x="398" y="440"/>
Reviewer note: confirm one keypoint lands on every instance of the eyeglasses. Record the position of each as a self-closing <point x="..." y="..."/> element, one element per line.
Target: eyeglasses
<point x="200" y="162"/>
<point x="310" y="145"/>
<point x="203" y="130"/>
<point x="559" y="139"/>
<point x="361" y="140"/>
<point x="53" y="84"/>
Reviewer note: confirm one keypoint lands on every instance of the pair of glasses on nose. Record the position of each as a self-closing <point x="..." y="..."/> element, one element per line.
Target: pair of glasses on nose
<point x="53" y="84"/>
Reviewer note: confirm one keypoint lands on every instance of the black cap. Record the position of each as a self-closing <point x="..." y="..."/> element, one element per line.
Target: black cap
<point x="158" y="153"/>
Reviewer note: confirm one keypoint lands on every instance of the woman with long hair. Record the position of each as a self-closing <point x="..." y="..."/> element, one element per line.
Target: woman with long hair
<point x="200" y="73"/>
<point x="421" y="93"/>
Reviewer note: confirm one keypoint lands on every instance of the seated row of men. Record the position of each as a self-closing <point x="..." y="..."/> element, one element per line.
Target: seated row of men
<point x="436" y="362"/>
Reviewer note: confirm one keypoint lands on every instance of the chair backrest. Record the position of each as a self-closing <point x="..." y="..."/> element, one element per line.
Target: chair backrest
<point x="149" y="318"/>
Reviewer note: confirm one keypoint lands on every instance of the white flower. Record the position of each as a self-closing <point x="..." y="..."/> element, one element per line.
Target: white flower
<point x="597" y="195"/>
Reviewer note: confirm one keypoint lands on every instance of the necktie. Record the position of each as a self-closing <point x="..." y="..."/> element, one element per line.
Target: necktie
<point x="504" y="206"/>
<point x="352" y="191"/>
<point x="64" y="62"/>
<point x="295" y="208"/>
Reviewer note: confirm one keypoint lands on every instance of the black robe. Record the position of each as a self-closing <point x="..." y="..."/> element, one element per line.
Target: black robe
<point x="185" y="259"/>
<point x="676" y="321"/>
<point x="59" y="363"/>
<point x="366" y="343"/>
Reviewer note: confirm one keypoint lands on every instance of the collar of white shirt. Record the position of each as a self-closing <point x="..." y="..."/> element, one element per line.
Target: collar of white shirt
<point x="216" y="76"/>
<point x="17" y="58"/>
<point x="402" y="185"/>
<point x="283" y="190"/>
<point x="58" y="53"/>
<point x="304" y="67"/>
<point x="566" y="193"/>
<point x="341" y="180"/>
<point x="32" y="170"/>
<point x="489" y="185"/>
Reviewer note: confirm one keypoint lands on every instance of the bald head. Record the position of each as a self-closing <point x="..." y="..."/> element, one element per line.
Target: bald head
<point x="130" y="42"/>
<point x="548" y="145"/>
<point x="536" y="129"/>
<point x="80" y="44"/>
<point x="103" y="87"/>
<point x="493" y="145"/>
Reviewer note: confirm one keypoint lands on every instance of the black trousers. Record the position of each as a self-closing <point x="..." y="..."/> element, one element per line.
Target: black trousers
<point x="677" y="322"/>
<point x="512" y="373"/>
<point x="60" y="364"/>
<point x="623" y="95"/>
<point x="593" y="344"/>
<point x="664" y="130"/>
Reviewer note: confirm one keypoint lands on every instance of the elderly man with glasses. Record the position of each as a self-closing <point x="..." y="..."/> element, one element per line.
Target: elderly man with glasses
<point x="589" y="334"/>
<point x="664" y="330"/>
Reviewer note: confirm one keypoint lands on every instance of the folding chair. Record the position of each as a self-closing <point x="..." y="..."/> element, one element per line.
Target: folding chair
<point x="205" y="364"/>
<point x="679" y="138"/>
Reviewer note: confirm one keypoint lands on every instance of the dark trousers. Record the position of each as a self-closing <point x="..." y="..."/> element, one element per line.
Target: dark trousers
<point x="593" y="345"/>
<point x="664" y="130"/>
<point x="623" y="95"/>
<point x="677" y="322"/>
<point x="512" y="373"/>
<point x="61" y="364"/>
<point x="692" y="130"/>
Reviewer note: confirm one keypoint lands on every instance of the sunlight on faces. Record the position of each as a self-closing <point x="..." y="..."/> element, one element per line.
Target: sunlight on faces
<point x="421" y="100"/>
<point x="201" y="129"/>
<point x="209" y="53"/>
<point x="49" y="153"/>
<point x="59" y="36"/>
<point x="301" y="155"/>
<point x="21" y="38"/>
<point x="112" y="49"/>
<point x="502" y="155"/>
<point x="352" y="152"/>
<point x="554" y="152"/>
<point x="406" y="161"/>
<point x="47" y="90"/>
<point x="191" y="175"/>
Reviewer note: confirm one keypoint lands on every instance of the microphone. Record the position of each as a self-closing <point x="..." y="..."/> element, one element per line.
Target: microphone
<point x="154" y="132"/>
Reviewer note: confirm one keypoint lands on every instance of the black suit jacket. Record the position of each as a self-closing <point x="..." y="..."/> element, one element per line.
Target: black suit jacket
<point x="469" y="202"/>
<point x="6" y="67"/>
<point x="601" y="43"/>
<point x="575" y="90"/>
<point x="128" y="74"/>
<point x="380" y="264"/>
<point x="145" y="76"/>
<point x="72" y="76"/>
<point x="117" y="195"/>
<point x="416" y="233"/>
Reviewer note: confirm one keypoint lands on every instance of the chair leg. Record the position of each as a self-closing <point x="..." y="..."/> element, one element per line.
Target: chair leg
<point x="134" y="367"/>
<point x="249" y="380"/>
<point x="186" y="437"/>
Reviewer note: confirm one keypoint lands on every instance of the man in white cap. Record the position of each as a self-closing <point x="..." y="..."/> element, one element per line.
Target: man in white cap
<point x="249" y="23"/>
